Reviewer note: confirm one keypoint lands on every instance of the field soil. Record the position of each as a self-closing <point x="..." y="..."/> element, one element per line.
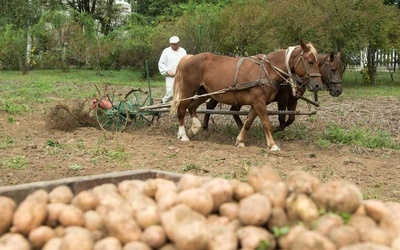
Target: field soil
<point x="64" y="140"/>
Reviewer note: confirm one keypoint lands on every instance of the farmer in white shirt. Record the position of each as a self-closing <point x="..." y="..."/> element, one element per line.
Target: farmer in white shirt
<point x="169" y="59"/>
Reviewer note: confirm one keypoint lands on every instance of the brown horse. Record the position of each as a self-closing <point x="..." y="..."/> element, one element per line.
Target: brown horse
<point x="331" y="74"/>
<point x="243" y="81"/>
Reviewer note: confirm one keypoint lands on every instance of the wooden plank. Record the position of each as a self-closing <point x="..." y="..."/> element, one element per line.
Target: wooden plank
<point x="78" y="184"/>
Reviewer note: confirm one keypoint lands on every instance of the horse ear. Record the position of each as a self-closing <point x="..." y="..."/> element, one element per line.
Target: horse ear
<point x="332" y="56"/>
<point x="303" y="45"/>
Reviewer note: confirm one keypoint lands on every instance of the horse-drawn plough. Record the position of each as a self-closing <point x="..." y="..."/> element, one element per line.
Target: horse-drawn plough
<point x="114" y="111"/>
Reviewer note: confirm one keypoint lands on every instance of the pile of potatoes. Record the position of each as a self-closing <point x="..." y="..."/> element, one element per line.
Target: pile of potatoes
<point x="202" y="213"/>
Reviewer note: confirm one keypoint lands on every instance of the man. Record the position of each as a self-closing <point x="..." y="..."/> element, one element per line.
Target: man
<point x="167" y="64"/>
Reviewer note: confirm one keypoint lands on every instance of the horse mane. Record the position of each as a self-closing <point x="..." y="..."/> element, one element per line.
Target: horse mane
<point x="177" y="83"/>
<point x="313" y="50"/>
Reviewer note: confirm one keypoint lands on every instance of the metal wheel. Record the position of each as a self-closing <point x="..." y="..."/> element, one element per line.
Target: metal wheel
<point x="112" y="113"/>
<point x="135" y="99"/>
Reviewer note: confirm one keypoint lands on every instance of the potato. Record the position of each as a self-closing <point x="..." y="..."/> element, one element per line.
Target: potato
<point x="40" y="235"/>
<point x="148" y="216"/>
<point x="252" y="237"/>
<point x="71" y="216"/>
<point x="362" y="223"/>
<point x="254" y="210"/>
<point x="198" y="199"/>
<point x="396" y="243"/>
<point x="93" y="221"/>
<point x="31" y="213"/>
<point x="375" y="209"/>
<point x="167" y="201"/>
<point x="221" y="191"/>
<point x="85" y="200"/>
<point x="221" y="237"/>
<point x="61" y="194"/>
<point x="391" y="221"/>
<point x="277" y="192"/>
<point x="155" y="188"/>
<point x="285" y="241"/>
<point x="301" y="207"/>
<point x="108" y="243"/>
<point x="14" y="241"/>
<point x="104" y="189"/>
<point x="366" y="246"/>
<point x="376" y="235"/>
<point x="7" y="208"/>
<point x="241" y="189"/>
<point x="136" y="245"/>
<point x="302" y="182"/>
<point x="326" y="222"/>
<point x="338" y="196"/>
<point x="53" y="244"/>
<point x="120" y="224"/>
<point x="230" y="210"/>
<point x="343" y="235"/>
<point x="168" y="246"/>
<point x="257" y="176"/>
<point x="188" y="181"/>
<point x="311" y="241"/>
<point x="77" y="238"/>
<point x="130" y="187"/>
<point x="185" y="227"/>
<point x="278" y="218"/>
<point x="53" y="213"/>
<point x="154" y="236"/>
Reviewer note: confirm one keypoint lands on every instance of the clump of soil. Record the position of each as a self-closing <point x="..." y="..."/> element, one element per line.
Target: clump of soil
<point x="64" y="118"/>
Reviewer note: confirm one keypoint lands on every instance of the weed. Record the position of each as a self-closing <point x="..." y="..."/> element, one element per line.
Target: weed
<point x="6" y="141"/>
<point x="16" y="162"/>
<point x="76" y="167"/>
<point x="326" y="174"/>
<point x="189" y="166"/>
<point x="53" y="144"/>
<point x="359" y="136"/>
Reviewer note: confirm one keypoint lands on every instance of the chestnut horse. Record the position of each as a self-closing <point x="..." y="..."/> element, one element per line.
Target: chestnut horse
<point x="243" y="81"/>
<point x="331" y="70"/>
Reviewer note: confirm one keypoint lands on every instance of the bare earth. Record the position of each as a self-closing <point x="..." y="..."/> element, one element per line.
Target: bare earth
<point x="38" y="147"/>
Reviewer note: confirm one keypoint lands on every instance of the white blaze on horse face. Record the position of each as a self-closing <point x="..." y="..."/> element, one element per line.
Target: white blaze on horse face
<point x="182" y="134"/>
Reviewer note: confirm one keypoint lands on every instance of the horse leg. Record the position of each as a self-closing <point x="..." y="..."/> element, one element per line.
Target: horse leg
<point x="247" y="123"/>
<point x="292" y="107"/>
<point x="196" y="124"/>
<point x="181" y="120"/>
<point x="261" y="110"/>
<point x="238" y="121"/>
<point x="211" y="104"/>
<point x="282" y="105"/>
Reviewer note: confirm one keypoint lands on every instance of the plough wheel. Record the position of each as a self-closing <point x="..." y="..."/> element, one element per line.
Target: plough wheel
<point x="112" y="115"/>
<point x="135" y="99"/>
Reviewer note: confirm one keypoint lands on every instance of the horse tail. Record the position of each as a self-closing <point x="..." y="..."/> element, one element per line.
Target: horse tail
<point x="178" y="82"/>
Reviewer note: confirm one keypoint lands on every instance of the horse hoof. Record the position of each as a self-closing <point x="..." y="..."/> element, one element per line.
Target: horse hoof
<point x="275" y="148"/>
<point x="240" y="145"/>
<point x="182" y="138"/>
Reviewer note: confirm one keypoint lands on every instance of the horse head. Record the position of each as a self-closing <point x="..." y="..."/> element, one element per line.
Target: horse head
<point x="331" y="73"/>
<point x="304" y="64"/>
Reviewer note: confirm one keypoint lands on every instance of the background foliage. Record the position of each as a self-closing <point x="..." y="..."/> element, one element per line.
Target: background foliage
<point x="105" y="34"/>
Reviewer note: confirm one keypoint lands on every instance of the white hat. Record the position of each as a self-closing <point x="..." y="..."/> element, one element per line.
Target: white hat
<point x="174" y="39"/>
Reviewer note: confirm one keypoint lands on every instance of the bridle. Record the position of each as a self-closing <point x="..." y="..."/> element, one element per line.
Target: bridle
<point x="330" y="81"/>
<point x="308" y="75"/>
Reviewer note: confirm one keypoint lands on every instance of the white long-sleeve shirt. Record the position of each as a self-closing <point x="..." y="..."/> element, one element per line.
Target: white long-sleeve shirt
<point x="169" y="59"/>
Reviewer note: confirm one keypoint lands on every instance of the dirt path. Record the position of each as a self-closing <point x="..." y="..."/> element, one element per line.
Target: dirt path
<point x="30" y="151"/>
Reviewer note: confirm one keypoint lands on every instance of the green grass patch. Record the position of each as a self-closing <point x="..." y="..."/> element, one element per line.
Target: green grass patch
<point x="360" y="136"/>
<point x="16" y="162"/>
